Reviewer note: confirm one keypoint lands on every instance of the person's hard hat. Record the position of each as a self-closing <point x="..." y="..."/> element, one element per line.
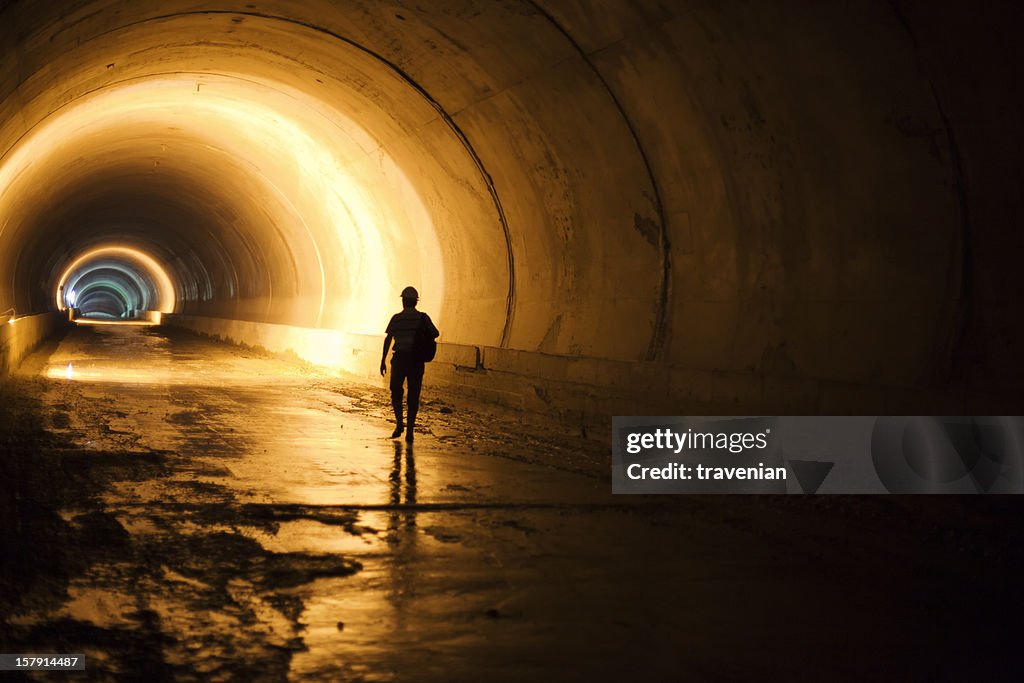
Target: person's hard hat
<point x="410" y="293"/>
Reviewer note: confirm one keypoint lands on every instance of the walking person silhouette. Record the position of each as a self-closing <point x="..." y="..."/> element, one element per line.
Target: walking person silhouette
<point x="405" y="365"/>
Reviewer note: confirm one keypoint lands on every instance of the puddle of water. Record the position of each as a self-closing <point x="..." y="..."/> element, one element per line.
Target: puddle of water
<point x="174" y="577"/>
<point x="365" y="639"/>
<point x="314" y="537"/>
<point x="69" y="514"/>
<point x="104" y="607"/>
<point x="138" y="526"/>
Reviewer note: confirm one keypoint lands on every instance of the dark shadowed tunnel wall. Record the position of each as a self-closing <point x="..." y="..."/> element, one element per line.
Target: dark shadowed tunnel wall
<point x="608" y="207"/>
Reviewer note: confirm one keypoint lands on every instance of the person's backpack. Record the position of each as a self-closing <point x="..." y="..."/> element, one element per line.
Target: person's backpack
<point x="424" y="347"/>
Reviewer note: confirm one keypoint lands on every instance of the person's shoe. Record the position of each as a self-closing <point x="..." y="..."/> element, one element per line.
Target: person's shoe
<point x="408" y="435"/>
<point x="398" y="432"/>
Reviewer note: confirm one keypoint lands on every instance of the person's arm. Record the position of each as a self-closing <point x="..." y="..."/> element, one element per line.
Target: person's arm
<point x="384" y="355"/>
<point x="433" y="328"/>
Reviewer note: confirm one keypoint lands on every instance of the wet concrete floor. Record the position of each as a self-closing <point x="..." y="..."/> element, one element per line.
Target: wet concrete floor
<point x="180" y="509"/>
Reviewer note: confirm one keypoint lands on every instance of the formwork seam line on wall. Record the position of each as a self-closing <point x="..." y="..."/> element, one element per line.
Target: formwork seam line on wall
<point x="659" y="337"/>
<point x="963" y="312"/>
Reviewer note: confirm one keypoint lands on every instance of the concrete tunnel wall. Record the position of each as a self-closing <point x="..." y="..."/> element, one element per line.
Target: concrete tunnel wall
<point x="799" y="207"/>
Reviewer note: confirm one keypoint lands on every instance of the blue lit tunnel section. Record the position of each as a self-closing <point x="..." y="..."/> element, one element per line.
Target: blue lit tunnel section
<point x="110" y="290"/>
<point x="114" y="283"/>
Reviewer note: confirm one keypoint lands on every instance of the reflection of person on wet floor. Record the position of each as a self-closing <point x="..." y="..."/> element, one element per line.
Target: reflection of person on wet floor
<point x="404" y="365"/>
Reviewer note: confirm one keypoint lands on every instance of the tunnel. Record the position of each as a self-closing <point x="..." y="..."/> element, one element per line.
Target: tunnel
<point x="748" y="217"/>
<point x="607" y="208"/>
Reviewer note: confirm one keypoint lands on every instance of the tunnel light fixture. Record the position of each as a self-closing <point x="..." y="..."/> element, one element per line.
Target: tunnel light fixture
<point x="120" y="323"/>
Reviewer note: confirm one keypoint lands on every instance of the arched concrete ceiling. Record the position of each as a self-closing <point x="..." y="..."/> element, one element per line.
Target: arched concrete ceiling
<point x="763" y="187"/>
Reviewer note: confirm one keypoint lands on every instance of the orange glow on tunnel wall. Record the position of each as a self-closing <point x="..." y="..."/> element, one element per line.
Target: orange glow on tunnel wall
<point x="345" y="224"/>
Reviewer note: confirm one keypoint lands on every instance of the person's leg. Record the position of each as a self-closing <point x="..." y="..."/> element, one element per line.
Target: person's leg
<point x="398" y="373"/>
<point x="415" y="384"/>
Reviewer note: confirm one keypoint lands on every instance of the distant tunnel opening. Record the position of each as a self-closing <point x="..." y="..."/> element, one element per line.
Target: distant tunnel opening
<point x="115" y="283"/>
<point x="106" y="301"/>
